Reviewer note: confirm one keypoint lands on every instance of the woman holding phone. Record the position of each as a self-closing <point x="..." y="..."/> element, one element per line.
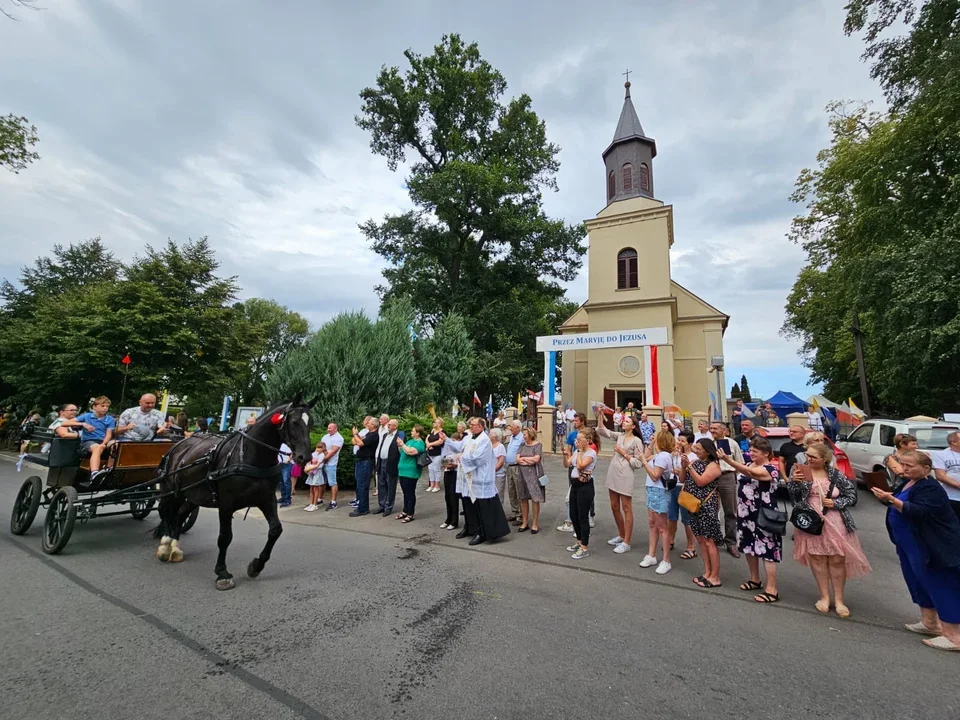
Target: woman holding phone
<point x="834" y="554"/>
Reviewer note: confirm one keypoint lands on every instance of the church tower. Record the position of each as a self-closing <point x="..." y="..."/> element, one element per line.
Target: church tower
<point x="629" y="158"/>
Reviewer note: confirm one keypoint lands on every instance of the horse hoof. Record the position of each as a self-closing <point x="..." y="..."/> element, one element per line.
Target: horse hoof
<point x="226" y="584"/>
<point x="176" y="555"/>
<point x="252" y="569"/>
<point x="163" y="553"/>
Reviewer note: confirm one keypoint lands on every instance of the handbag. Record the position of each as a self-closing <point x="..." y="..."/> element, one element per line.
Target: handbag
<point x="424" y="460"/>
<point x="805" y="518"/>
<point x="542" y="476"/>
<point x="772" y="520"/>
<point x="691" y="503"/>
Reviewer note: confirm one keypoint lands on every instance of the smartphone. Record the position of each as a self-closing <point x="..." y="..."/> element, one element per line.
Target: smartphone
<point x="804" y="472"/>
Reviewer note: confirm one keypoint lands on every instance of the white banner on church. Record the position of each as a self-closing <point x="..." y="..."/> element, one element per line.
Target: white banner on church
<point x="600" y="340"/>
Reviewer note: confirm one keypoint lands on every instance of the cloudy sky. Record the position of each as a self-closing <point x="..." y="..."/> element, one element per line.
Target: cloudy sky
<point x="179" y="119"/>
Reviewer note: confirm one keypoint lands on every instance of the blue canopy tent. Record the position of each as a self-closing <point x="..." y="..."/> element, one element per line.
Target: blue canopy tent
<point x="784" y="403"/>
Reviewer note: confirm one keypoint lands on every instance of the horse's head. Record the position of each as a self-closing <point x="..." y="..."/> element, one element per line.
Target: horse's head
<point x="294" y="421"/>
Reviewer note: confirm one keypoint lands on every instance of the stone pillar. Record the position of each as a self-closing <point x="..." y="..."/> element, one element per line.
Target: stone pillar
<point x="800" y="419"/>
<point x="546" y="418"/>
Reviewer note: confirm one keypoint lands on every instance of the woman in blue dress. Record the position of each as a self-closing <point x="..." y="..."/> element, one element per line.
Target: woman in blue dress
<point x="926" y="532"/>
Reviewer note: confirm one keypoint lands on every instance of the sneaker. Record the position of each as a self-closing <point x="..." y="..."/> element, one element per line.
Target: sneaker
<point x="354" y="503"/>
<point x="310" y="508"/>
<point x="286" y="505"/>
<point x="331" y="506"/>
<point x="580" y="553"/>
<point x="443" y="526"/>
<point x="615" y="541"/>
<point x="573" y="548"/>
<point x="566" y="527"/>
<point x="648" y="561"/>
<point x="319" y="503"/>
<point x="593" y="523"/>
<point x="663" y="568"/>
<point x="621" y="548"/>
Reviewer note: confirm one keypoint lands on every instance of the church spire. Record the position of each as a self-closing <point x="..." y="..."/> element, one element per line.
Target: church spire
<point x="629" y="157"/>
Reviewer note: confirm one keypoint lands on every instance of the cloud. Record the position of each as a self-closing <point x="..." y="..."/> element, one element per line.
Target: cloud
<point x="182" y="119"/>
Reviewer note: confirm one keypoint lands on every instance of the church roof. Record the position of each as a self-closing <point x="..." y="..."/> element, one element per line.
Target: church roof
<point x="628" y="127"/>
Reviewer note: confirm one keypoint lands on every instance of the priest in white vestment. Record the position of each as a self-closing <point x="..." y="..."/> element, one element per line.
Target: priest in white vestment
<point x="476" y="484"/>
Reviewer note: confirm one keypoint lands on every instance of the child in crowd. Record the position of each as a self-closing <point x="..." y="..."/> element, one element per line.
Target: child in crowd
<point x="98" y="428"/>
<point x="315" y="479"/>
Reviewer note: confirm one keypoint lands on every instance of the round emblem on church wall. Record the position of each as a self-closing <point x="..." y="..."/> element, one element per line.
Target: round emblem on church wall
<point x="629" y="366"/>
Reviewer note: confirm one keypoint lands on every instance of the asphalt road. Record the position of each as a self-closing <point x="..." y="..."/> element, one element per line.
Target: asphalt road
<point x="365" y="618"/>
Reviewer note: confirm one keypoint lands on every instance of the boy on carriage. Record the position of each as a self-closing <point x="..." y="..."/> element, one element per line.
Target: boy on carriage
<point x="98" y="428"/>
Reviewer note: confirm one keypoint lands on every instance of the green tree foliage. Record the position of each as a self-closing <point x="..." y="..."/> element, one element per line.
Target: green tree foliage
<point x="735" y="391"/>
<point x="353" y="366"/>
<point x="17" y="138"/>
<point x="882" y="221"/>
<point x="270" y="332"/>
<point x="67" y="324"/>
<point x="478" y="168"/>
<point x="745" y="389"/>
<point x="448" y="360"/>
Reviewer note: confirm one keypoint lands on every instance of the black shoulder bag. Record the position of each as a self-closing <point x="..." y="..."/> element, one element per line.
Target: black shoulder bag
<point x="805" y="518"/>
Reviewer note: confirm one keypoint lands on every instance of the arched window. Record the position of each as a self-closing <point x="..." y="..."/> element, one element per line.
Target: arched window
<point x="627" y="177"/>
<point x="644" y="178"/>
<point x="611" y="186"/>
<point x="627" y="277"/>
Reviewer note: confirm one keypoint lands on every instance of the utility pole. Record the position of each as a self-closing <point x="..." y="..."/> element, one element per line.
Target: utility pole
<point x="861" y="371"/>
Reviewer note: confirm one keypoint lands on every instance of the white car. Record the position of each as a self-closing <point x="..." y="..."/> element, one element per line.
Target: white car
<point x="871" y="442"/>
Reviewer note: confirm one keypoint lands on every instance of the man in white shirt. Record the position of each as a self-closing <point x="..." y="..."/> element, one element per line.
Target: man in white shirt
<point x="814" y="420"/>
<point x="569" y="415"/>
<point x="387" y="460"/>
<point x="333" y="441"/>
<point x="285" y="458"/>
<point x="946" y="468"/>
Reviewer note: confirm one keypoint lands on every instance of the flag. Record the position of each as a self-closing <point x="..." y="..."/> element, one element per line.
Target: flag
<point x="747" y="412"/>
<point x="164" y="404"/>
<point x="519" y="400"/>
<point x="713" y="404"/>
<point x="854" y="410"/>
<point x="476" y="398"/>
<point x="126" y="359"/>
<point x="816" y="405"/>
<point x="490" y="405"/>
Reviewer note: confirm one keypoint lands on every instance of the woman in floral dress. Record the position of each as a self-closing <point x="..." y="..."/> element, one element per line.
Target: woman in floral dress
<point x="756" y="485"/>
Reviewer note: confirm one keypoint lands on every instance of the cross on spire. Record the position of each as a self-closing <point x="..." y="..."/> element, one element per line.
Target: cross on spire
<point x="627" y="74"/>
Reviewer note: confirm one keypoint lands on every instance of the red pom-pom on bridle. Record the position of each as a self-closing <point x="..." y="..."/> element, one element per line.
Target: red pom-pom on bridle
<point x="277" y="418"/>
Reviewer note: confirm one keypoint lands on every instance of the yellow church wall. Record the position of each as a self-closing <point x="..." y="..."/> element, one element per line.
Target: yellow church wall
<point x="646" y="233"/>
<point x="695" y="342"/>
<point x="629" y="205"/>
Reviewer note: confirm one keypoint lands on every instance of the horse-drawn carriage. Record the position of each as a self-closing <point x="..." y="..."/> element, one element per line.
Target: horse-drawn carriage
<point x="71" y="492"/>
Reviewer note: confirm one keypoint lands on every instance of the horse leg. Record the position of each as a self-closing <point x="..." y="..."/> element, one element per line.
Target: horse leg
<point x="269" y="510"/>
<point x="167" y="510"/>
<point x="176" y="554"/>
<point x="224" y="579"/>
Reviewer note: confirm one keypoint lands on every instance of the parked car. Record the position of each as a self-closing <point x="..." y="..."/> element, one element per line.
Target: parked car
<point x="871" y="442"/>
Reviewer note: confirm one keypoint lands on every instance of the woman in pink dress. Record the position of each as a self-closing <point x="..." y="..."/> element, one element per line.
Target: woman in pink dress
<point x="835" y="554"/>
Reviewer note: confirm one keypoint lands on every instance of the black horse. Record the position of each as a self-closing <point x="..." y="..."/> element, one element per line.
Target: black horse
<point x="231" y="473"/>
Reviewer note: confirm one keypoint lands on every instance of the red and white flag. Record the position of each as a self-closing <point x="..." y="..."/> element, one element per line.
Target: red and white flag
<point x="476" y="398"/>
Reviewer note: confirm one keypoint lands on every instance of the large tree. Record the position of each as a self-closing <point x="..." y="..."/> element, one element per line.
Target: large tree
<point x="478" y="167"/>
<point x="882" y="221"/>
<point x="270" y="332"/>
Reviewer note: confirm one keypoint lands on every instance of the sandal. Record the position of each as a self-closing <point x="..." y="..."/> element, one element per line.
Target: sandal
<point x="408" y="518"/>
<point x="401" y="516"/>
<point x="767" y="598"/>
<point x="688" y="554"/>
<point x="704" y="583"/>
<point x="941" y="643"/>
<point x="750" y="585"/>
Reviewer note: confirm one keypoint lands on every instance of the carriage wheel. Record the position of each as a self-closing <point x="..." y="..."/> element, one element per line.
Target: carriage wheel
<point x="190" y="520"/>
<point x="139" y="509"/>
<point x="58" y="524"/>
<point x="26" y="505"/>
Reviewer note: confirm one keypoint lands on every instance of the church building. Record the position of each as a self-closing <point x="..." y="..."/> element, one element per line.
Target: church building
<point x="630" y="288"/>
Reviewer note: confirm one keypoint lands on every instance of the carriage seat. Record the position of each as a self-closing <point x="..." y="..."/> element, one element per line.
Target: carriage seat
<point x="63" y="453"/>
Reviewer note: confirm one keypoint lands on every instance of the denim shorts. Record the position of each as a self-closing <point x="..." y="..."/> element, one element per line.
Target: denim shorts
<point x="330" y="475"/>
<point x="675" y="510"/>
<point x="657" y="500"/>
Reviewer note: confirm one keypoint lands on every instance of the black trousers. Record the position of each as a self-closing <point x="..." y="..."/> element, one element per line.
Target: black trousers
<point x="955" y="504"/>
<point x="409" y="487"/>
<point x="451" y="498"/>
<point x="581" y="498"/>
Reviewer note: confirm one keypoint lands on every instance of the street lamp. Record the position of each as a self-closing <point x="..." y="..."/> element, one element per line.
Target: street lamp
<point x="716" y="365"/>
